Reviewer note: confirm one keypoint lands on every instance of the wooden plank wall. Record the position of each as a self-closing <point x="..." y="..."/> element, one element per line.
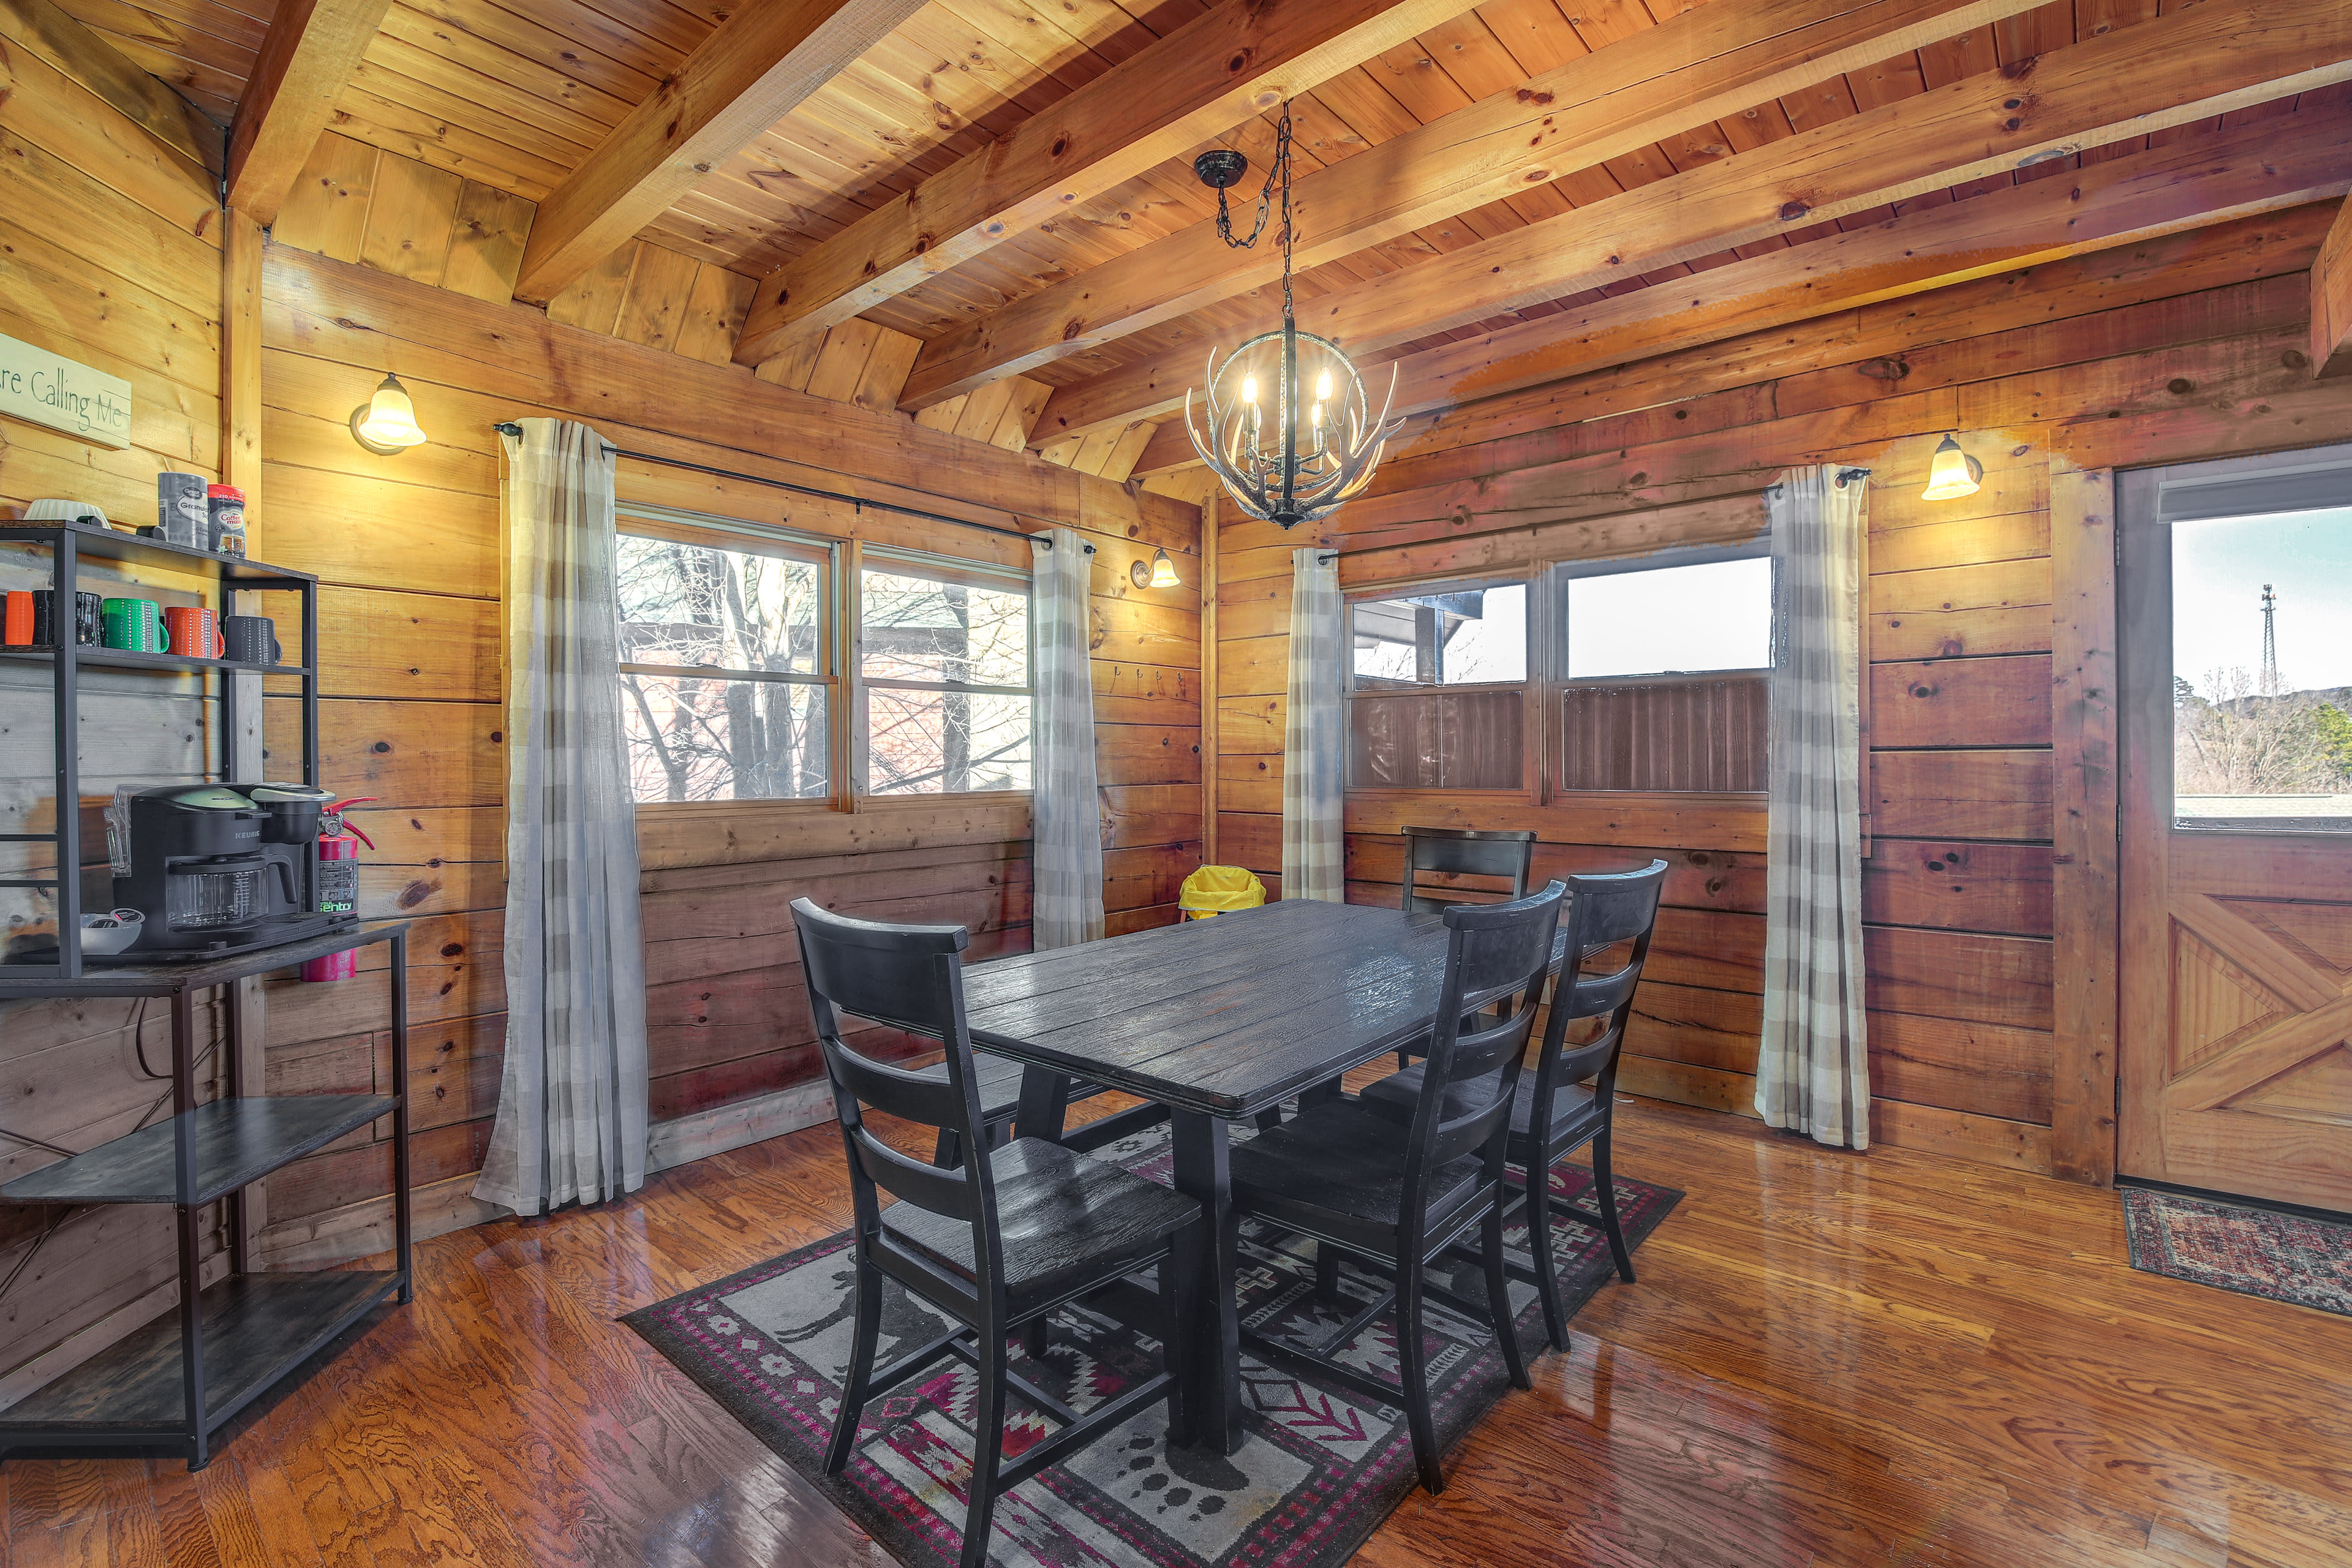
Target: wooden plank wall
<point x="2181" y="347"/>
<point x="110" y="254"/>
<point x="409" y="546"/>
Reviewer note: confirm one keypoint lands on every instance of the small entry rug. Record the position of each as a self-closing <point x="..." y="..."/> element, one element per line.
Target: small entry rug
<point x="2256" y="1252"/>
<point x="1319" y="1468"/>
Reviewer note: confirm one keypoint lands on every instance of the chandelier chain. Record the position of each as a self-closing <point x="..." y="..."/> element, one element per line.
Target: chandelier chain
<point x="1279" y="170"/>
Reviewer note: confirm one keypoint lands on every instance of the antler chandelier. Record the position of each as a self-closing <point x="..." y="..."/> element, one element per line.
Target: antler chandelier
<point x="1289" y="430"/>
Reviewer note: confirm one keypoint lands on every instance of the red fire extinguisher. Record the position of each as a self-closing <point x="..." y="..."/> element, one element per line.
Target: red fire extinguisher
<point x="339" y="883"/>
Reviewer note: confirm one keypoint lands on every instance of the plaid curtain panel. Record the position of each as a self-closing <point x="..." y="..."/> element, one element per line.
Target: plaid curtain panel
<point x="1813" y="1074"/>
<point x="572" y="1102"/>
<point x="1066" y="826"/>
<point x="1314" y="736"/>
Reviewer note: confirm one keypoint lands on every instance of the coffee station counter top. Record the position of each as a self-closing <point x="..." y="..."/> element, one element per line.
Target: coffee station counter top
<point x="195" y="974"/>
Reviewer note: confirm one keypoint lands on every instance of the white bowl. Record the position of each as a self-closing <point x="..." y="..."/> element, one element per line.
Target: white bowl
<point x="122" y="930"/>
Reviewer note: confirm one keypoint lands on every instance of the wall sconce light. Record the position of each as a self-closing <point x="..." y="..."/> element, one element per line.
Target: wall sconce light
<point x="1951" y="473"/>
<point x="1160" y="574"/>
<point x="386" y="423"/>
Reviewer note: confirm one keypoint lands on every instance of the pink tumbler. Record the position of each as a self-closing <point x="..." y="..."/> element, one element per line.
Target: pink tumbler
<point x="334" y="966"/>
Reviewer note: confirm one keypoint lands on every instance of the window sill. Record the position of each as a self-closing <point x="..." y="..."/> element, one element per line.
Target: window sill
<point x="656" y="809"/>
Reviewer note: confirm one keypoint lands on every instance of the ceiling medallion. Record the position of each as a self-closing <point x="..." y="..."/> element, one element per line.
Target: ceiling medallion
<point x="1290" y="429"/>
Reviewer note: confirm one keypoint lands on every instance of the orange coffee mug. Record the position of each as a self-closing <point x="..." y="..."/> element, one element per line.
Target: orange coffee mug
<point x="194" y="632"/>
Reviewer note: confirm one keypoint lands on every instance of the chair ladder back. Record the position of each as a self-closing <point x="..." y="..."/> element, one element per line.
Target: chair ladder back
<point x="911" y="978"/>
<point x="1463" y="851"/>
<point x="1604" y="910"/>
<point x="1502" y="950"/>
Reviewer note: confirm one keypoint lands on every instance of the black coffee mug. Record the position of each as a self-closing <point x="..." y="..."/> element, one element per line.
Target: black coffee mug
<point x="251" y="639"/>
<point x="45" y="619"/>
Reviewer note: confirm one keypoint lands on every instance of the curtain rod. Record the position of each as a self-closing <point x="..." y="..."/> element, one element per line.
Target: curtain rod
<point x="1843" y="477"/>
<point x="509" y="427"/>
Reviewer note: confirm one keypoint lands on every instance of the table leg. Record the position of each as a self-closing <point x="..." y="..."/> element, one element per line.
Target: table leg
<point x="1045" y="1104"/>
<point x="1205" y="1172"/>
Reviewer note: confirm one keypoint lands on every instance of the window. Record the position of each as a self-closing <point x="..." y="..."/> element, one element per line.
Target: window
<point x="726" y="672"/>
<point x="1711" y="614"/>
<point x="1437" y="682"/>
<point x="943" y="659"/>
<point x="732" y="686"/>
<point x="2262" y="672"/>
<point x="1667" y="676"/>
<point x="1459" y="637"/>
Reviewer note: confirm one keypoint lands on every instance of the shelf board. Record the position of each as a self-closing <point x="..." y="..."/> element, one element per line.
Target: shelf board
<point x="237" y="1142"/>
<point x="255" y="1326"/>
<point x="113" y="544"/>
<point x="127" y="659"/>
<point x="103" y="976"/>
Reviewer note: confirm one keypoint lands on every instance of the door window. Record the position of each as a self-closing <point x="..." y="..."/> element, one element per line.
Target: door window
<point x="2262" y="672"/>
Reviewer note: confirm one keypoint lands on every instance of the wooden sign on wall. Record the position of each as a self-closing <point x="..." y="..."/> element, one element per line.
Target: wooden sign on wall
<point x="47" y="389"/>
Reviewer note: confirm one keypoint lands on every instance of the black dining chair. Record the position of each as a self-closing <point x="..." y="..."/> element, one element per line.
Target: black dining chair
<point x="1463" y="851"/>
<point x="1338" y="1174"/>
<point x="995" y="1244"/>
<point x="1460" y="851"/>
<point x="1604" y="912"/>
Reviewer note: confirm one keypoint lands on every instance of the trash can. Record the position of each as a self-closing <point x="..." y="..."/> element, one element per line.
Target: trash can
<point x="1212" y="890"/>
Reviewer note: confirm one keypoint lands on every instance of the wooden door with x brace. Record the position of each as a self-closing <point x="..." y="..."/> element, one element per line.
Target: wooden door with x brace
<point x="2236" y="658"/>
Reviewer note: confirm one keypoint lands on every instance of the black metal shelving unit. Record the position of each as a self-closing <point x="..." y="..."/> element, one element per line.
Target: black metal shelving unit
<point x="68" y="545"/>
<point x="172" y="1384"/>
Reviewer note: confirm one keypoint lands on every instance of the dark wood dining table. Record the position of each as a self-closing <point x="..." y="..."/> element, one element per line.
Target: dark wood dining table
<point x="1219" y="1021"/>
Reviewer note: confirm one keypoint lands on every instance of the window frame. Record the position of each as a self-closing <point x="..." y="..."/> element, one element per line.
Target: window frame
<point x="1530" y="769"/>
<point x="709" y="531"/>
<point x="1553" y="637"/>
<point x="944" y="569"/>
<point x="841" y="644"/>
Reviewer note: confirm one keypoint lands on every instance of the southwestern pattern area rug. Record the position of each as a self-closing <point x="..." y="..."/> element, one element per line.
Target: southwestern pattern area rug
<point x="2256" y="1252"/>
<point x="1321" y="1467"/>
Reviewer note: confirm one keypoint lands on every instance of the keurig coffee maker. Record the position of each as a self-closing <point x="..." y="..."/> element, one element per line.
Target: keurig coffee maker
<point x="223" y="868"/>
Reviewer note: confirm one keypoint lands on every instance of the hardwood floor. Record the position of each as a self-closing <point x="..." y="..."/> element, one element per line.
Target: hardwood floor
<point x="1828" y="1359"/>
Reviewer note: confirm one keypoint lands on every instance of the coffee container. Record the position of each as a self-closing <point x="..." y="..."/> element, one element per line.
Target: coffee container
<point x="226" y="509"/>
<point x="18" y="619"/>
<point x="183" y="513"/>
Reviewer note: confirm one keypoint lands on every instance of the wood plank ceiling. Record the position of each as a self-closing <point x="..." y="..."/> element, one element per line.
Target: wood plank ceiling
<point x="516" y="95"/>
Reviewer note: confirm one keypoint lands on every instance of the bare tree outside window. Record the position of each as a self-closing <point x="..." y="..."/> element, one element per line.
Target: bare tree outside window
<point x="2237" y="742"/>
<point x="724" y="679"/>
<point x="945" y="663"/>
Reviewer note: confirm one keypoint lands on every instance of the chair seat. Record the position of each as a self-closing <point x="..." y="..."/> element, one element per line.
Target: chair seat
<point x="1576" y="1112"/>
<point x="1338" y="1169"/>
<point x="1064" y="1217"/>
<point x="1000" y="1084"/>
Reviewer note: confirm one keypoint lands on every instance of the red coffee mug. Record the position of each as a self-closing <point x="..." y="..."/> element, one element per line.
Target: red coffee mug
<point x="192" y="632"/>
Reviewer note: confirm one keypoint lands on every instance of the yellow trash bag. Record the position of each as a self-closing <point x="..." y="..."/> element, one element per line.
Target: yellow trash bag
<point x="1212" y="890"/>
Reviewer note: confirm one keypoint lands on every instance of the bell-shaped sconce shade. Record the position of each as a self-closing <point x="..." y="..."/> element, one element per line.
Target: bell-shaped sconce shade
<point x="1160" y="573"/>
<point x="386" y="423"/>
<point x="1951" y="473"/>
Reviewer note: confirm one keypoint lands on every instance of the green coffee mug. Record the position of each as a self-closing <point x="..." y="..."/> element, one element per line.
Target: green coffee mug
<point x="135" y="626"/>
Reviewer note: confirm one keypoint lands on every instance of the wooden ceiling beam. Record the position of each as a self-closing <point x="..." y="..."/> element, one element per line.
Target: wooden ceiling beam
<point x="1240" y="59"/>
<point x="1701" y="66"/>
<point x="2195" y="182"/>
<point x="312" y="49"/>
<point x="755" y="69"/>
<point x="2331" y="300"/>
<point x="2175" y="70"/>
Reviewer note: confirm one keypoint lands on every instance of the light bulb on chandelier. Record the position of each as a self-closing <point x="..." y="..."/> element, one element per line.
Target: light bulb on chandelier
<point x="1277" y="465"/>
